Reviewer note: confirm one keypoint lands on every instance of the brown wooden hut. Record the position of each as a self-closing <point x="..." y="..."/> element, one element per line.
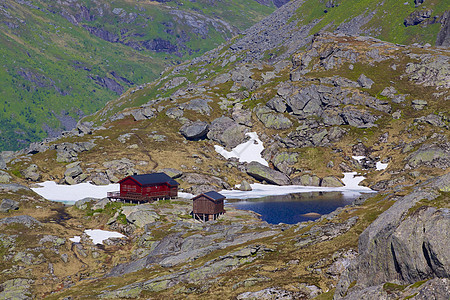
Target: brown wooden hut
<point x="208" y="206"/>
<point x="146" y="187"/>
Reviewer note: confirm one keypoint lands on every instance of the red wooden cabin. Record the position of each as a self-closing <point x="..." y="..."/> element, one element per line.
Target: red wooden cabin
<point x="208" y="206"/>
<point x="146" y="187"/>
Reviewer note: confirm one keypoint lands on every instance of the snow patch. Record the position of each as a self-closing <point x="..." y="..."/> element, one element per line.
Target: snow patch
<point x="98" y="236"/>
<point x="69" y="194"/>
<point x="262" y="190"/>
<point x="246" y="152"/>
<point x="380" y="166"/>
<point x="358" y="158"/>
<point x="76" y="239"/>
<point x="185" y="195"/>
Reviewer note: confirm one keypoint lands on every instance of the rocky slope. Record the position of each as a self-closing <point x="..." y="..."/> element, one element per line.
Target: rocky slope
<point x="316" y="102"/>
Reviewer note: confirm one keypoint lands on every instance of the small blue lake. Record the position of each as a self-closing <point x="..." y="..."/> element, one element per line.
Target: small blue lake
<point x="292" y="208"/>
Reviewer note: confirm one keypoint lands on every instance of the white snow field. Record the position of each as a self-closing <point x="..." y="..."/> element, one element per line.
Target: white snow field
<point x="98" y="235"/>
<point x="69" y="194"/>
<point x="246" y="152"/>
<point x="261" y="190"/>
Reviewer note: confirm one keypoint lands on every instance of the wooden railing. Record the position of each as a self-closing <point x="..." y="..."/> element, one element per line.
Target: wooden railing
<point x="139" y="197"/>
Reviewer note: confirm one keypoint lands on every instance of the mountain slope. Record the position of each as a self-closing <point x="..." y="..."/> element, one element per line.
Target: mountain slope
<point x="64" y="60"/>
<point x="322" y="105"/>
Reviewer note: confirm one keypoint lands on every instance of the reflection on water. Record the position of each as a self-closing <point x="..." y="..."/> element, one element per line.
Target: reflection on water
<point x="294" y="208"/>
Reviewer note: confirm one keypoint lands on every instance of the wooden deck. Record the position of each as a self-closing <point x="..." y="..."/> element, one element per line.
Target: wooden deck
<point x="136" y="197"/>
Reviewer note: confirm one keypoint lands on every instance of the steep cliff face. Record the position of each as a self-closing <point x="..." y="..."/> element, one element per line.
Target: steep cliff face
<point x="404" y="245"/>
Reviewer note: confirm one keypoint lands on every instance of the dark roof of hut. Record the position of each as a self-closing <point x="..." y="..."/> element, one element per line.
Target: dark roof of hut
<point x="215" y="196"/>
<point x="154" y="178"/>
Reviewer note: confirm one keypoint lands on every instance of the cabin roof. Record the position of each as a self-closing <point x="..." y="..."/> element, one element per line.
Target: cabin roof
<point x="153" y="178"/>
<point x="215" y="196"/>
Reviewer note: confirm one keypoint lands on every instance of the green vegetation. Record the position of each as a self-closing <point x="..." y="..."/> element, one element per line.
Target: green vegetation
<point x="54" y="71"/>
<point x="385" y="19"/>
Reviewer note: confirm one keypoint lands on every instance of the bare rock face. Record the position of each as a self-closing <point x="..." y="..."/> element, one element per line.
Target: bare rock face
<point x="331" y="181"/>
<point x="227" y="132"/>
<point x="430" y="155"/>
<point x="8" y="204"/>
<point x="443" y="37"/>
<point x="420" y="245"/>
<point x="263" y="173"/>
<point x="402" y="247"/>
<point x="32" y="173"/>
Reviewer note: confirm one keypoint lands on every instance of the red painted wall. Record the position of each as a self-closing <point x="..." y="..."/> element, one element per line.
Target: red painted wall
<point x="163" y="189"/>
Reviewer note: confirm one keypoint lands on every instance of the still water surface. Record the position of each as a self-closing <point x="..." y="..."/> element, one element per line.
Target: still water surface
<point x="291" y="208"/>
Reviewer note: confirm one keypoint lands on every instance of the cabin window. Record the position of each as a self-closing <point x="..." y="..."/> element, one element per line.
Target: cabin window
<point x="129" y="188"/>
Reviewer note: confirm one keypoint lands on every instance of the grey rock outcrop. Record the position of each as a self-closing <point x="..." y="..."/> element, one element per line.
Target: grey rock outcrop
<point x="284" y="161"/>
<point x="174" y="173"/>
<point x="245" y="186"/>
<point x="84" y="203"/>
<point x="32" y="173"/>
<point x="417" y="17"/>
<point x="143" y="113"/>
<point x="198" y="105"/>
<point x="74" y="173"/>
<point x="272" y="120"/>
<point x="306" y="180"/>
<point x="68" y="152"/>
<point x="26" y="220"/>
<point x="331" y="181"/>
<point x="201" y="183"/>
<point x="4" y="177"/>
<point x="13" y="187"/>
<point x="365" y="82"/>
<point x="263" y="173"/>
<point x="227" y="132"/>
<point x="18" y="289"/>
<point x="241" y="115"/>
<point x="272" y="293"/>
<point x="195" y="131"/>
<point x="8" y="204"/>
<point x="431" y="155"/>
<point x="140" y="215"/>
<point x="402" y="247"/>
<point x="443" y="37"/>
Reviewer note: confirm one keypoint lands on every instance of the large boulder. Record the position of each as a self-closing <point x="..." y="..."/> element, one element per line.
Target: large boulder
<point x="263" y="173"/>
<point x="358" y="118"/>
<point x="284" y="161"/>
<point x="227" y="132"/>
<point x="140" y="215"/>
<point x="331" y="181"/>
<point x="365" y="82"/>
<point x="195" y="131"/>
<point x="17" y="288"/>
<point x="201" y="183"/>
<point x="174" y="173"/>
<point x="4" y="177"/>
<point x="306" y="180"/>
<point x="25" y="220"/>
<point x="271" y="119"/>
<point x="32" y="173"/>
<point x="199" y="105"/>
<point x="431" y="155"/>
<point x="241" y="115"/>
<point x="13" y="187"/>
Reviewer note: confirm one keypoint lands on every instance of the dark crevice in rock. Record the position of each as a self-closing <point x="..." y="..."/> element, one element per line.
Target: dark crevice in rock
<point x="426" y="254"/>
<point x="394" y="257"/>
